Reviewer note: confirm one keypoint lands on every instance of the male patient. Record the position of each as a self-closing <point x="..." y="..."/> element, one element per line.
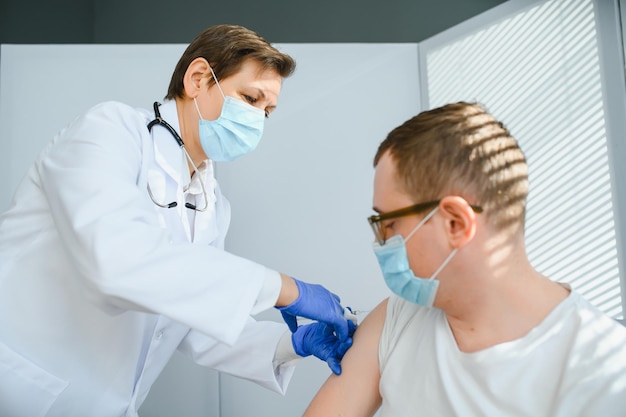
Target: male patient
<point x="471" y="329"/>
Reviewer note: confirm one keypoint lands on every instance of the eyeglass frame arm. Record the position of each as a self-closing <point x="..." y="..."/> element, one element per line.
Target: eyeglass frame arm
<point x="417" y="208"/>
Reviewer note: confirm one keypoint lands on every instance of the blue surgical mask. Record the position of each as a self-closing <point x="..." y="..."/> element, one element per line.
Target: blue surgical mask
<point x="399" y="277"/>
<point x="235" y="133"/>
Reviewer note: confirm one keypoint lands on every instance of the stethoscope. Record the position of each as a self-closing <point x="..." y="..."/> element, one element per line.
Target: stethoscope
<point x="159" y="121"/>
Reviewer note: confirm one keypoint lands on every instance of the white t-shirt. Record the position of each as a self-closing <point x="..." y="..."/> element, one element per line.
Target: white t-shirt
<point x="572" y="364"/>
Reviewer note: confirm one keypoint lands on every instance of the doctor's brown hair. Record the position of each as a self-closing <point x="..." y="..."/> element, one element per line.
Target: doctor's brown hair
<point x="226" y="47"/>
<point x="460" y="149"/>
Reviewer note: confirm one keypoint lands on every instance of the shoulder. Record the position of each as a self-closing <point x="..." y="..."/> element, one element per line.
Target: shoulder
<point x="403" y="321"/>
<point x="373" y="322"/>
<point x="115" y="111"/>
<point x="590" y="318"/>
<point x="596" y="365"/>
<point x="598" y="346"/>
<point x="108" y="124"/>
<point x="114" y="131"/>
<point x="401" y="312"/>
<point x="400" y="307"/>
<point x="355" y="391"/>
<point x="367" y="334"/>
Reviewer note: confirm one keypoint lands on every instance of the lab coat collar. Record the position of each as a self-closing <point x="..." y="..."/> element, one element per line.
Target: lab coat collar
<point x="167" y="153"/>
<point x="171" y="160"/>
<point x="205" y="171"/>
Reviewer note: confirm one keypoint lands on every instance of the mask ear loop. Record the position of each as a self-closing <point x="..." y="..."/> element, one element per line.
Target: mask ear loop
<point x="443" y="264"/>
<point x="420" y="224"/>
<point x="217" y="83"/>
<point x="197" y="108"/>
<point x="218" y="87"/>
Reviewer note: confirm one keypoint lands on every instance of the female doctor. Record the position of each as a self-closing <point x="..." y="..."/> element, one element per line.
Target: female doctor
<point x="111" y="254"/>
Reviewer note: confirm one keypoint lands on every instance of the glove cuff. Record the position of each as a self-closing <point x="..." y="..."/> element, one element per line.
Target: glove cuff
<point x="301" y="289"/>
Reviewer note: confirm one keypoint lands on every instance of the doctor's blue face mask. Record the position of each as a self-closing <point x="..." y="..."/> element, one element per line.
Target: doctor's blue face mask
<point x="394" y="264"/>
<point x="235" y="133"/>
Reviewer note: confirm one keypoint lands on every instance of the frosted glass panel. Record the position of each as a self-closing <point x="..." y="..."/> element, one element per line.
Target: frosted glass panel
<point x="538" y="70"/>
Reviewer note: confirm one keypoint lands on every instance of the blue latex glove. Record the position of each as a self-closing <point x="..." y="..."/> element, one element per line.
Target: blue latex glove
<point x="318" y="339"/>
<point x="316" y="303"/>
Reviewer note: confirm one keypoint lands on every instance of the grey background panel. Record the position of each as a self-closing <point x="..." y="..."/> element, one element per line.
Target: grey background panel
<point x="44" y="87"/>
<point x="161" y="21"/>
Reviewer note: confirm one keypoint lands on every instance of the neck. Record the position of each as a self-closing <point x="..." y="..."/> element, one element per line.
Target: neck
<point x="188" y="122"/>
<point x="500" y="301"/>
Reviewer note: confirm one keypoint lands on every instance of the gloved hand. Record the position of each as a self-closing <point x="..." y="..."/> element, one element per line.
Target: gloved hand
<point x="318" y="339"/>
<point x="316" y="303"/>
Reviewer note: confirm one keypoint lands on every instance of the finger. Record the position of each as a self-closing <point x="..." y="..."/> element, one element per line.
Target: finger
<point x="342" y="348"/>
<point x="351" y="327"/>
<point x="291" y="321"/>
<point x="334" y="365"/>
<point x="341" y="329"/>
<point x="326" y="329"/>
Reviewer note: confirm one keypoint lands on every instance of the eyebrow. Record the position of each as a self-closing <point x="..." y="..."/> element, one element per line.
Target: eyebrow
<point x="376" y="210"/>
<point x="262" y="96"/>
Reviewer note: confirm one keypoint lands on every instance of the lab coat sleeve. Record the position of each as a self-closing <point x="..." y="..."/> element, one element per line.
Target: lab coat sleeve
<point x="253" y="357"/>
<point x="91" y="177"/>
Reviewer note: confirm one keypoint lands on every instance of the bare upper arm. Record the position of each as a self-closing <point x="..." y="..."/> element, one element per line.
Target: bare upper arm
<point x="354" y="392"/>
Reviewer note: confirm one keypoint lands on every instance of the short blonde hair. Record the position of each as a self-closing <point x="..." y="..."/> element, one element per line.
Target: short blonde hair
<point x="461" y="149"/>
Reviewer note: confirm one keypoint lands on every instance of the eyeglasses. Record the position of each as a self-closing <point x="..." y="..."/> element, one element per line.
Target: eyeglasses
<point x="378" y="227"/>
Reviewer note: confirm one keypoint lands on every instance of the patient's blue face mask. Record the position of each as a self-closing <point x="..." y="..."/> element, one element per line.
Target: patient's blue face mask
<point x="399" y="277"/>
<point x="235" y="133"/>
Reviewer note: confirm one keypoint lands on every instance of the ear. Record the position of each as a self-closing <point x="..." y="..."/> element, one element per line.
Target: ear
<point x="460" y="220"/>
<point x="192" y="80"/>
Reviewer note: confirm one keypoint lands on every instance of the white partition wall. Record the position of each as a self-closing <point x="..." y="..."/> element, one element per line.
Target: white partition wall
<point x="300" y="201"/>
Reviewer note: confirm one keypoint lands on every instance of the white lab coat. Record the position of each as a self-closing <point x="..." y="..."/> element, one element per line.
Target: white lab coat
<point x="99" y="286"/>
